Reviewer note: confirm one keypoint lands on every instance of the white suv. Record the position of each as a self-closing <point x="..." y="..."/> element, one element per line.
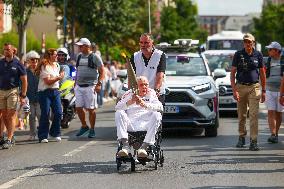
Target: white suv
<point x="222" y="59"/>
<point x="191" y="95"/>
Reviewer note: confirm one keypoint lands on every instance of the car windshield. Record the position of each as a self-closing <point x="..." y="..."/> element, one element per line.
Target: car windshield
<point x="219" y="61"/>
<point x="194" y="67"/>
<point x="225" y="45"/>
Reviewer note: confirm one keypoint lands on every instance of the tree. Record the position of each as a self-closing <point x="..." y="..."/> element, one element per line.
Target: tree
<point x="269" y="27"/>
<point x="21" y="12"/>
<point x="179" y="21"/>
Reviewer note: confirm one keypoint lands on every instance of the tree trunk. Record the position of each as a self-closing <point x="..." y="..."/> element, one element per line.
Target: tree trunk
<point x="22" y="29"/>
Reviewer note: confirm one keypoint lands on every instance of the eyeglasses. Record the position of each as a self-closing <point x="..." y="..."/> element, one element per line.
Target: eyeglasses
<point x="34" y="59"/>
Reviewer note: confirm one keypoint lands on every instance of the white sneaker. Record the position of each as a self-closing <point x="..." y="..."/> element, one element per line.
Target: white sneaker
<point x="44" y="141"/>
<point x="57" y="139"/>
<point x="142" y="153"/>
<point x="122" y="153"/>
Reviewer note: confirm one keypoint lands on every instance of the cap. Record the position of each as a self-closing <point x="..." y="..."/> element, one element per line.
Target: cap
<point x="274" y="45"/>
<point x="249" y="37"/>
<point x="65" y="51"/>
<point x="32" y="54"/>
<point x="83" y="41"/>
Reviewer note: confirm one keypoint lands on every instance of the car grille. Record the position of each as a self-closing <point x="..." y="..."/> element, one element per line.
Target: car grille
<point x="174" y="96"/>
<point x="225" y="90"/>
<point x="233" y="105"/>
<point x="184" y="113"/>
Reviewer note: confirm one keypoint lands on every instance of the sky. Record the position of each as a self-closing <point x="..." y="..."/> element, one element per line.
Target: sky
<point x="228" y="7"/>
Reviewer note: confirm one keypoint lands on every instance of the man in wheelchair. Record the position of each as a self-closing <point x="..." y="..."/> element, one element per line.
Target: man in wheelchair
<point x="138" y="112"/>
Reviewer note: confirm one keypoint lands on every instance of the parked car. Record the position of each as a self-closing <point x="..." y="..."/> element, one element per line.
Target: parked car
<point x="222" y="59"/>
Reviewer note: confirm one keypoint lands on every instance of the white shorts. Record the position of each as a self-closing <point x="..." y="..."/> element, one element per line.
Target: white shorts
<point x="85" y="97"/>
<point x="272" y="101"/>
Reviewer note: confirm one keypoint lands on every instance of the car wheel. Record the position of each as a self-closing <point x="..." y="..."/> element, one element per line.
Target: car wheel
<point x="212" y="131"/>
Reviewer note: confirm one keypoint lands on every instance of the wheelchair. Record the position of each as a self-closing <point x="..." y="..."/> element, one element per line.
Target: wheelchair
<point x="135" y="140"/>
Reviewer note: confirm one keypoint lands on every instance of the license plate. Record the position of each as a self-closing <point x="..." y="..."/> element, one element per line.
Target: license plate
<point x="226" y="101"/>
<point x="171" y="109"/>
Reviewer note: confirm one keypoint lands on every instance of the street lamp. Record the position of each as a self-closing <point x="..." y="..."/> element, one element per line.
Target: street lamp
<point x="149" y="12"/>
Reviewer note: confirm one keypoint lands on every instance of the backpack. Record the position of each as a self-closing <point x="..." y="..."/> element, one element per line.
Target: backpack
<point x="268" y="66"/>
<point x="91" y="61"/>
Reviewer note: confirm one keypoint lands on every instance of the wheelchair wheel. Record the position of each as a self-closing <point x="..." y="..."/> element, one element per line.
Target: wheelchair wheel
<point x="132" y="164"/>
<point x="156" y="161"/>
<point x="162" y="159"/>
<point x="118" y="165"/>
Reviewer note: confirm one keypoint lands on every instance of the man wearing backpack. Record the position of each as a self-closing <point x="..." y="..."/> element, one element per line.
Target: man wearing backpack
<point x="274" y="73"/>
<point x="247" y="69"/>
<point x="89" y="77"/>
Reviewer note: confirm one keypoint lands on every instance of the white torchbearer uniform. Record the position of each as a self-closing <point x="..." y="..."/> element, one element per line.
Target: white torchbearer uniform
<point x="136" y="118"/>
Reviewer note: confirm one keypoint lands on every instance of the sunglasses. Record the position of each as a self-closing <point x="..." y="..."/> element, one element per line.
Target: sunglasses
<point x="61" y="55"/>
<point x="34" y="59"/>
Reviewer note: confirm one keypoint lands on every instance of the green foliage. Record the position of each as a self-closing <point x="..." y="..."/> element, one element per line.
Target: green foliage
<point x="269" y="27"/>
<point x="32" y="42"/>
<point x="180" y="22"/>
<point x="11" y="37"/>
<point x="21" y="12"/>
<point x="51" y="42"/>
<point x="109" y="22"/>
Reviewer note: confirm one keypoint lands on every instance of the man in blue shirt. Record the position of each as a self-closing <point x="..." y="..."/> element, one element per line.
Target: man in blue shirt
<point x="12" y="73"/>
<point x="247" y="68"/>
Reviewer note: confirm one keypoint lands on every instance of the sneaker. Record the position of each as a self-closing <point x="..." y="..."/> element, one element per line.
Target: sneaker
<point x="92" y="133"/>
<point x="253" y="145"/>
<point x="241" y="143"/>
<point x="57" y="139"/>
<point x="141" y="153"/>
<point x="273" y="139"/>
<point x="82" y="131"/>
<point x="8" y="144"/>
<point x="44" y="141"/>
<point x="124" y="151"/>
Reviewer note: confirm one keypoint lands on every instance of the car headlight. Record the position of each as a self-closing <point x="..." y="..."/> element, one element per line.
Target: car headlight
<point x="201" y="88"/>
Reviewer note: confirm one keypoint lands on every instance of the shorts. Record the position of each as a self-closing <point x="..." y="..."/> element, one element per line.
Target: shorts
<point x="85" y="97"/>
<point x="272" y="101"/>
<point x="9" y="99"/>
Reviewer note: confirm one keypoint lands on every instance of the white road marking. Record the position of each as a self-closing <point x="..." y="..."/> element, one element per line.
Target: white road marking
<point x="21" y="178"/>
<point x="36" y="171"/>
<point x="79" y="149"/>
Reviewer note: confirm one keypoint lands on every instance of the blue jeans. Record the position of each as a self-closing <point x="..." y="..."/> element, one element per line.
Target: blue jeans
<point x="49" y="98"/>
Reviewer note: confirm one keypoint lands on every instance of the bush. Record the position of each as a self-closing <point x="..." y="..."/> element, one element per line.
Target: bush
<point x="32" y="42"/>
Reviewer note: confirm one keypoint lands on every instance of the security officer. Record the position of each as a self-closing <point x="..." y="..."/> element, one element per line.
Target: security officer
<point x="12" y="72"/>
<point x="247" y="68"/>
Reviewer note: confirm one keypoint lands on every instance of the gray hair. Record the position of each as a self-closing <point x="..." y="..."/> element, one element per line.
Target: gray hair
<point x="142" y="78"/>
<point x="32" y="54"/>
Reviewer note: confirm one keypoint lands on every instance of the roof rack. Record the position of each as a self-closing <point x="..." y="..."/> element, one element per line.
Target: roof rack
<point x="179" y="45"/>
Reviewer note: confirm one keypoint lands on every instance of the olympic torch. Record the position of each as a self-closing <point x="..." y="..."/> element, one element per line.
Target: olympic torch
<point x="132" y="82"/>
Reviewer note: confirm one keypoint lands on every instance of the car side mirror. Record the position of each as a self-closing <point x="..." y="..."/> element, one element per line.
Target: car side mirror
<point x="219" y="73"/>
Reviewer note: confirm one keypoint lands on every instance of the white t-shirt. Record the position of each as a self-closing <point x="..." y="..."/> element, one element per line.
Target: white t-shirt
<point x="48" y="71"/>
